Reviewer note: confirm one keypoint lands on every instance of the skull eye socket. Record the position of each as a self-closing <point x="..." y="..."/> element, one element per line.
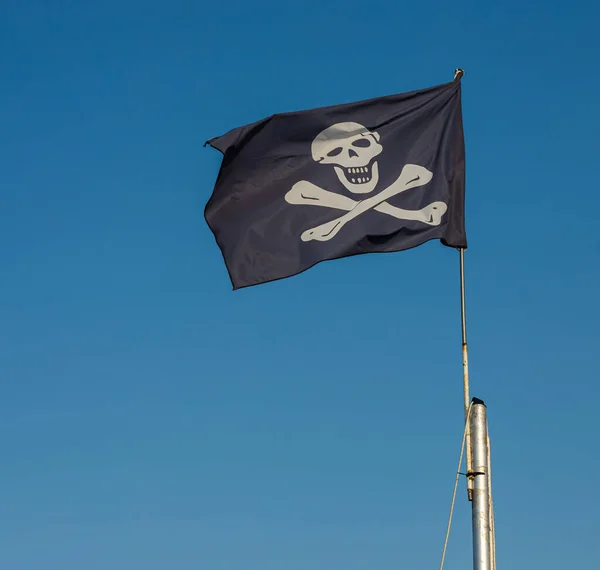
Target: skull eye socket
<point x="335" y="152"/>
<point x="362" y="143"/>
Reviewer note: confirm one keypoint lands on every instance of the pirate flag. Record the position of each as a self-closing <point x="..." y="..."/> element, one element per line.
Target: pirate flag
<point x="380" y="175"/>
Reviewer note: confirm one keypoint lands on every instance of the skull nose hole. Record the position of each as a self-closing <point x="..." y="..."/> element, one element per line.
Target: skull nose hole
<point x="352" y="153"/>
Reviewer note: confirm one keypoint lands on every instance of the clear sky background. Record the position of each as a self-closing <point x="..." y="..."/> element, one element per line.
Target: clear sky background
<point x="152" y="419"/>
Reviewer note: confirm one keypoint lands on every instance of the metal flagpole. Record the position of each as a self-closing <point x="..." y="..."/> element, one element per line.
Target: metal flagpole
<point x="478" y="450"/>
<point x="465" y="361"/>
<point x="478" y="457"/>
<point x="458" y="73"/>
<point x="482" y="533"/>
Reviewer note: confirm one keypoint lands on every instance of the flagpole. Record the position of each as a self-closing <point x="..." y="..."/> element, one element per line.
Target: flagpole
<point x="483" y="547"/>
<point x="465" y="362"/>
<point x="478" y="455"/>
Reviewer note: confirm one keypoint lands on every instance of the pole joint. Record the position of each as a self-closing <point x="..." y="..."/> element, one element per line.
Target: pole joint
<point x="473" y="474"/>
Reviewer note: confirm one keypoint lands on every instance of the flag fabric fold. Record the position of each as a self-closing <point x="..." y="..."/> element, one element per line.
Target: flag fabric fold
<point x="299" y="188"/>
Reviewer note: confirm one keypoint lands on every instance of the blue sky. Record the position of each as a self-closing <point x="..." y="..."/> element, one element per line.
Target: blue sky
<point x="151" y="418"/>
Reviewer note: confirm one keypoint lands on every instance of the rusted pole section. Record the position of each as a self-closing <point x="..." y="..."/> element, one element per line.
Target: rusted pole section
<point x="492" y="523"/>
<point x="482" y="531"/>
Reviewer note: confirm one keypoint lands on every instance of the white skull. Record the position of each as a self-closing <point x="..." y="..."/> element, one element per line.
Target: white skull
<point x="351" y="148"/>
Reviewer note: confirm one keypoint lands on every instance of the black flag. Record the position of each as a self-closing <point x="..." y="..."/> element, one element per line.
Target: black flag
<point x="298" y="188"/>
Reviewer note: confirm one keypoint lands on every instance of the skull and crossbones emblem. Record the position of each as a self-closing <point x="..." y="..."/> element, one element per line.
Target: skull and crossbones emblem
<point x="352" y="149"/>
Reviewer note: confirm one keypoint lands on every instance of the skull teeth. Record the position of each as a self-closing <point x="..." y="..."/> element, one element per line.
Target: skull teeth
<point x="359" y="175"/>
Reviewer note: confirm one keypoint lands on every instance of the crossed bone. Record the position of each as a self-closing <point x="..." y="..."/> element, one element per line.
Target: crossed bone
<point x="412" y="175"/>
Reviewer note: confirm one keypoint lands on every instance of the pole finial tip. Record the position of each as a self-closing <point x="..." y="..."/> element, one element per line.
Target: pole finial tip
<point x="458" y="74"/>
